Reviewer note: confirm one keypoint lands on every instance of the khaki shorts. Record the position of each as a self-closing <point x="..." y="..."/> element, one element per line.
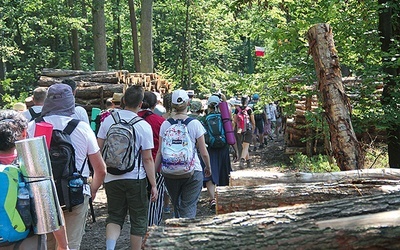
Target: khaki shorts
<point x="75" y="222"/>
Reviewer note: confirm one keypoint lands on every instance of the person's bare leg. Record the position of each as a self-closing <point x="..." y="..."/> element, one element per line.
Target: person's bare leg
<point x="112" y="234"/>
<point x="136" y="242"/>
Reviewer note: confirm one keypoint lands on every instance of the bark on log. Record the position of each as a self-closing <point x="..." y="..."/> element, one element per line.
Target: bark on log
<point x="296" y="227"/>
<point x="252" y="178"/>
<point x="93" y="92"/>
<point x="243" y="198"/>
<point x="345" y="146"/>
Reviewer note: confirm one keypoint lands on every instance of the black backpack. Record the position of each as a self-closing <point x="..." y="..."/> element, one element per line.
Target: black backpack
<point x="62" y="158"/>
<point x="34" y="115"/>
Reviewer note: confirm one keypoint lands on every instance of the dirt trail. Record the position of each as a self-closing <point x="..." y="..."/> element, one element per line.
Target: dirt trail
<point x="270" y="158"/>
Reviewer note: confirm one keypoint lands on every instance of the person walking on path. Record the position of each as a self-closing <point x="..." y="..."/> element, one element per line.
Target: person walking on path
<point x="185" y="192"/>
<point x="57" y="110"/>
<point x="244" y="136"/>
<point x="38" y="97"/>
<point x="219" y="157"/>
<point x="127" y="192"/>
<point x="155" y="121"/>
<point x="13" y="126"/>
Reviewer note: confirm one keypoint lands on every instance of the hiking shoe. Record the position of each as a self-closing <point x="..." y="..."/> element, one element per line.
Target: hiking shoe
<point x="248" y="163"/>
<point x="241" y="163"/>
<point x="255" y="149"/>
<point x="261" y="146"/>
<point x="213" y="204"/>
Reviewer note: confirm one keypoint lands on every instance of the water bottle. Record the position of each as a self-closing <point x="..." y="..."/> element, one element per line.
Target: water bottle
<point x="24" y="205"/>
<point x="76" y="183"/>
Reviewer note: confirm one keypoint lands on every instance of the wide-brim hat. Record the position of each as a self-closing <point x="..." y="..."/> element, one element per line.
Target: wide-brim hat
<point x="117" y="97"/>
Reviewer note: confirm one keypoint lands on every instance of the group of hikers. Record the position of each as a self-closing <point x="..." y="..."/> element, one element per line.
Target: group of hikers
<point x="148" y="151"/>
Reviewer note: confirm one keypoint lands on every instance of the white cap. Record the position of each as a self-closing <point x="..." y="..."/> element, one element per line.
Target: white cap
<point x="190" y="92"/>
<point x="213" y="99"/>
<point x="179" y="96"/>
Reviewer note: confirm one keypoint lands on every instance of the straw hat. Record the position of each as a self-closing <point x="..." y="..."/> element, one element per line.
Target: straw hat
<point x="117" y="97"/>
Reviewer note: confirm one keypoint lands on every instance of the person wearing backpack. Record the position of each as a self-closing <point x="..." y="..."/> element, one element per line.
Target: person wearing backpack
<point x="217" y="148"/>
<point x="80" y="112"/>
<point x="13" y="127"/>
<point x="126" y="141"/>
<point x="155" y="121"/>
<point x="57" y="110"/>
<point x="180" y="138"/>
<point x="244" y="126"/>
<point x="38" y="97"/>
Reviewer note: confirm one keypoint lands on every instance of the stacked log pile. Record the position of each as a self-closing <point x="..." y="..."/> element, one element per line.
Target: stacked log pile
<point x="94" y="87"/>
<point x="343" y="210"/>
<point x="301" y="137"/>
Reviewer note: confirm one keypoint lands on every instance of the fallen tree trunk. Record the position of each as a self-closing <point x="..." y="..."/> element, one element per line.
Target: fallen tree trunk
<point x="242" y="198"/>
<point x="250" y="178"/>
<point x="295" y="227"/>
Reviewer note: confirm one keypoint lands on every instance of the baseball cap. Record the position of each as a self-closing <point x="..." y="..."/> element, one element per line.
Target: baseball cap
<point x="179" y="96"/>
<point x="213" y="99"/>
<point x="256" y="97"/>
<point x="190" y="92"/>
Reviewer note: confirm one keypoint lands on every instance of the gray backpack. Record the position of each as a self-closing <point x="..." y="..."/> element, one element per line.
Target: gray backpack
<point x="119" y="147"/>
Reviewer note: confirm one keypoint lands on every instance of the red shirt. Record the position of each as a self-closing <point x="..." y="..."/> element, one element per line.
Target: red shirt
<point x="155" y="122"/>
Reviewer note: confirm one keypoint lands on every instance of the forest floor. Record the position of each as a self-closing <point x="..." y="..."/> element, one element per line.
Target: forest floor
<point x="270" y="158"/>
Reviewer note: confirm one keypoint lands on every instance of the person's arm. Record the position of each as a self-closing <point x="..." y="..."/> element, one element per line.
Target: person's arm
<point x="201" y="145"/>
<point x="157" y="160"/>
<point x="99" y="172"/>
<point x="148" y="163"/>
<point x="253" y="122"/>
<point x="61" y="237"/>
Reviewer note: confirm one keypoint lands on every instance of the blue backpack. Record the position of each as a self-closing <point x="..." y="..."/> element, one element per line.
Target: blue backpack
<point x="12" y="226"/>
<point x="215" y="136"/>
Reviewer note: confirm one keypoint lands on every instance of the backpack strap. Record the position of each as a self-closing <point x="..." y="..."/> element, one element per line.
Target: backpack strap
<point x="135" y="120"/>
<point x="33" y="113"/>
<point x="145" y="115"/>
<point x="71" y="126"/>
<point x="186" y="121"/>
<point x="116" y="117"/>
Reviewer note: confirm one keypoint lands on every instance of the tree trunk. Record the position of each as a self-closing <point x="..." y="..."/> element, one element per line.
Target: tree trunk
<point x="295" y="227"/>
<point x="99" y="36"/>
<point x="244" y="198"/>
<point x="135" y="39"/>
<point x="76" y="55"/>
<point x="146" y="37"/>
<point x="251" y="178"/>
<point x="346" y="148"/>
<point x="389" y="33"/>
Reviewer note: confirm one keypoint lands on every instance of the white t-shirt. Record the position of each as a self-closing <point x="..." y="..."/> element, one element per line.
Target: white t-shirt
<point x="144" y="138"/>
<point x="81" y="114"/>
<point x="36" y="109"/>
<point x="196" y="130"/>
<point x="272" y="110"/>
<point x="82" y="138"/>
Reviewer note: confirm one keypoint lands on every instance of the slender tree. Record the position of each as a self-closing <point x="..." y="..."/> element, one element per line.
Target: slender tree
<point x="146" y="37"/>
<point x="389" y="27"/>
<point x="76" y="55"/>
<point x="134" y="32"/>
<point x="99" y="36"/>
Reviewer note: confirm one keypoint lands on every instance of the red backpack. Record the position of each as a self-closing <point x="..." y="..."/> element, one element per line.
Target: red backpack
<point x="243" y="119"/>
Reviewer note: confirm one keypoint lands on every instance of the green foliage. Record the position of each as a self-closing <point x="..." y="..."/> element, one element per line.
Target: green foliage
<point x="204" y="45"/>
<point x="314" y="164"/>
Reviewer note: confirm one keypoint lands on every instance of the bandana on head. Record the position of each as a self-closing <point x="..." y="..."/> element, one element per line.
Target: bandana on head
<point x="59" y="101"/>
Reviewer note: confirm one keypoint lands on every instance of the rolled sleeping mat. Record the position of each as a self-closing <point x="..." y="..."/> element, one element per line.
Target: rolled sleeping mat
<point x="227" y="123"/>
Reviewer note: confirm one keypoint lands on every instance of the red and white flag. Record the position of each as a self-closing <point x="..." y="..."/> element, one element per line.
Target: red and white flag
<point x="260" y="51"/>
